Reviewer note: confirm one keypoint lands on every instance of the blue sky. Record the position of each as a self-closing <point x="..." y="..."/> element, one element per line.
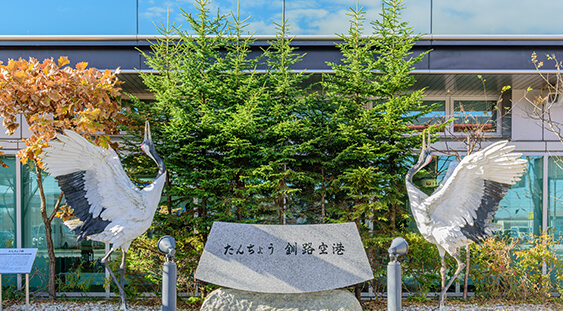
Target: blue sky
<point x="310" y="17"/>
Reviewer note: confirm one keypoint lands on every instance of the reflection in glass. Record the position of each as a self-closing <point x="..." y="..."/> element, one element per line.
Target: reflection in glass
<point x="261" y="14"/>
<point x="8" y="203"/>
<point x="475" y="115"/>
<point x="417" y="14"/>
<point x="520" y="212"/>
<point x="8" y="210"/>
<point x="71" y="255"/>
<point x="555" y="199"/>
<point x="496" y="17"/>
<point x="436" y="116"/>
<point x="39" y="17"/>
<point x="313" y="17"/>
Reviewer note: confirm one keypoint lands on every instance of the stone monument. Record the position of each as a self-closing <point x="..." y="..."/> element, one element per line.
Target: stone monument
<point x="275" y="267"/>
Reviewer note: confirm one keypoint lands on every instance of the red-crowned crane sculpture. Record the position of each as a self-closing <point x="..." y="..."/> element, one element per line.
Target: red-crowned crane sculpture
<point x="108" y="206"/>
<point x="461" y="209"/>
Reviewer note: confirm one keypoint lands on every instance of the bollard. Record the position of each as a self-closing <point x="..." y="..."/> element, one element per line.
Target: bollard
<point x="394" y="280"/>
<point x="169" y="286"/>
<point x="167" y="245"/>
<point x="394" y="290"/>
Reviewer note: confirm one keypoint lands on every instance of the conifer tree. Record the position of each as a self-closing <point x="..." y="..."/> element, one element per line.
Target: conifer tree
<point x="371" y="91"/>
<point x="208" y="99"/>
<point x="284" y="127"/>
<point x="393" y="42"/>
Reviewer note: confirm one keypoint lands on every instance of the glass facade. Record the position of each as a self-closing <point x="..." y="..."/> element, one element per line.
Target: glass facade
<point x="315" y="17"/>
<point x="555" y="200"/>
<point x="436" y="116"/>
<point x="8" y="203"/>
<point x="478" y="115"/>
<point x="469" y="114"/>
<point x="520" y="213"/>
<point x="71" y="254"/>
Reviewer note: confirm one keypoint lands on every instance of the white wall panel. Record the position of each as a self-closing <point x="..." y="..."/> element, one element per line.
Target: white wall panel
<point x="524" y="127"/>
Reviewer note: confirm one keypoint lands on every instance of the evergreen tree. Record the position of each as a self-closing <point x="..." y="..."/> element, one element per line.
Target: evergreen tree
<point x="393" y="42"/>
<point x="281" y="176"/>
<point x="370" y="90"/>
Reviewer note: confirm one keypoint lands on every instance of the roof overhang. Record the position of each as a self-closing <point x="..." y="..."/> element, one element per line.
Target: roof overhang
<point x="453" y="63"/>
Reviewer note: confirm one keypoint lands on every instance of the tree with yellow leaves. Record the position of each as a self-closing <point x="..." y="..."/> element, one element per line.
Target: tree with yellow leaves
<point x="52" y="97"/>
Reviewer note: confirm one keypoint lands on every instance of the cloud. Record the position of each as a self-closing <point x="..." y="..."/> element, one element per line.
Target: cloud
<point x="154" y="13"/>
<point x="260" y="28"/>
<point x="497" y="17"/>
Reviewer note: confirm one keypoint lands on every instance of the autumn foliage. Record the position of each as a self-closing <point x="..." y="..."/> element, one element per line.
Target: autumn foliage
<point x="53" y="96"/>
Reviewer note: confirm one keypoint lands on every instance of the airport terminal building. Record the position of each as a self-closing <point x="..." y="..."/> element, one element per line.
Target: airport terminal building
<point x="466" y="71"/>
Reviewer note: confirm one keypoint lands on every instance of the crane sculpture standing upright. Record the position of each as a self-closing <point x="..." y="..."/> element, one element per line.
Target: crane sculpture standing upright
<point x="109" y="207"/>
<point x="461" y="209"/>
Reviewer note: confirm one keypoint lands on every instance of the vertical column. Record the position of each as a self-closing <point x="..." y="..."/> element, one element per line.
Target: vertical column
<point x="545" y="201"/>
<point x="108" y="291"/>
<point x="545" y="194"/>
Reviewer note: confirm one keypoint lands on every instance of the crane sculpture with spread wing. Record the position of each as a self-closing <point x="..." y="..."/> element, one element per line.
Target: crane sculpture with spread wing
<point x="461" y="209"/>
<point x="108" y="206"/>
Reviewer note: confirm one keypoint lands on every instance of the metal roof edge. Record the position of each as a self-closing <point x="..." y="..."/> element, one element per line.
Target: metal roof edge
<point x="432" y="37"/>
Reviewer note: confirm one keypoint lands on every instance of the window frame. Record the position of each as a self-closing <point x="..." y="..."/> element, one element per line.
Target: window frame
<point x="450" y="112"/>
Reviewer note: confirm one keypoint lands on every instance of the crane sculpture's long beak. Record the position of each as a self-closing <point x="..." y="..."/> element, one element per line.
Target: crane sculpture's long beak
<point x="425" y="144"/>
<point x="147" y="132"/>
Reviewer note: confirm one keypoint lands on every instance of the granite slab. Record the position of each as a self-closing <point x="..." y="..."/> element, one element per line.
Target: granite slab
<point x="234" y="299"/>
<point x="284" y="258"/>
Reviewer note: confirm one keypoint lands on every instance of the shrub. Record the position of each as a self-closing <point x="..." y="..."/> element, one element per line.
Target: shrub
<point x="509" y="268"/>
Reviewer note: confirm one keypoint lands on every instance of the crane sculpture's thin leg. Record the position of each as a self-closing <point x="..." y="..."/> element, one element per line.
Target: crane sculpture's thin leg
<point x="443" y="270"/>
<point x="122" y="267"/>
<point x="460" y="266"/>
<point x="121" y="290"/>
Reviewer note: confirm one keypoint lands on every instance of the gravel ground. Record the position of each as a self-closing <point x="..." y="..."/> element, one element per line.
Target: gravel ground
<point x="87" y="306"/>
<point x="491" y="307"/>
<point x="110" y="306"/>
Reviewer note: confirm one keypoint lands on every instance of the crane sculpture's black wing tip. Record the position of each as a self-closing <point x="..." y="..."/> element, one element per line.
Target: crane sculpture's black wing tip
<point x="73" y="187"/>
<point x="492" y="195"/>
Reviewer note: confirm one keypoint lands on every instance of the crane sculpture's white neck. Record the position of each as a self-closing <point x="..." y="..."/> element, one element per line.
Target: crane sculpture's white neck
<point x="417" y="198"/>
<point x="153" y="191"/>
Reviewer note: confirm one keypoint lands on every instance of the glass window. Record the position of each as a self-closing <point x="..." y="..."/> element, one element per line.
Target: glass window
<point x="520" y="212"/>
<point x="474" y="115"/>
<point x="261" y="15"/>
<point x="8" y="210"/>
<point x="71" y="255"/>
<point x="432" y="175"/>
<point x="495" y="17"/>
<point x="39" y="17"/>
<point x="555" y="199"/>
<point x="436" y="116"/>
<point x="8" y="203"/>
<point x="304" y="17"/>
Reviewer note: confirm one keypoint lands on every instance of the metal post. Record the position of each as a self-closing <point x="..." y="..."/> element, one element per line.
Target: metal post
<point x="27" y="291"/>
<point x="106" y="271"/>
<point x="169" y="286"/>
<point x="399" y="247"/>
<point x="394" y="291"/>
<point x="0" y="292"/>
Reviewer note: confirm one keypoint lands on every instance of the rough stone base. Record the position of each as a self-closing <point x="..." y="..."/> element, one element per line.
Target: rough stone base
<point x="227" y="299"/>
